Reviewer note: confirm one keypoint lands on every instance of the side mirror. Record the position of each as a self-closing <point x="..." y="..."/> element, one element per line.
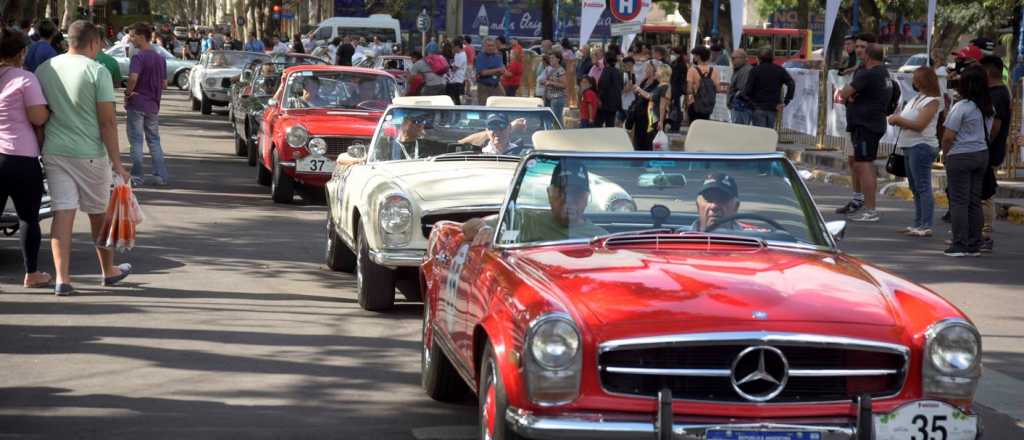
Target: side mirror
<point x="661" y="180"/>
<point x="225" y="83"/>
<point x="837" y="229"/>
<point x="357" y="151"/>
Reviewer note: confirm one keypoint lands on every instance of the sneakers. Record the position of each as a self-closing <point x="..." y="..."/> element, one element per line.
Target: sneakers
<point x="868" y="215"/>
<point x="159" y="181"/>
<point x="986" y="245"/>
<point x="922" y="232"/>
<point x="954" y="251"/>
<point x="851" y="207"/>
<point x="63" y="289"/>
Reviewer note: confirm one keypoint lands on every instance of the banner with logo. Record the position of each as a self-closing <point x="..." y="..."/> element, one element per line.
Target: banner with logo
<point x="524" y="19"/>
<point x="694" y="22"/>
<point x="837" y="112"/>
<point x="801" y="115"/>
<point x="589" y="15"/>
<point x="736" y="13"/>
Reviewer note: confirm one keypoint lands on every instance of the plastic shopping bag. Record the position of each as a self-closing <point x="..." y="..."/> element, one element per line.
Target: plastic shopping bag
<point x="123" y="214"/>
<point x="660" y="142"/>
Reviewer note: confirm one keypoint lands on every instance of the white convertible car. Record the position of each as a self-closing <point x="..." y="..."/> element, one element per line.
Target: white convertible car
<point x="210" y="79"/>
<point x="427" y="163"/>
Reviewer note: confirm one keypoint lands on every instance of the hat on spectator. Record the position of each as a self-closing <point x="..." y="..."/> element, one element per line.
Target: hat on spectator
<point x="986" y="45"/>
<point x="970" y="51"/>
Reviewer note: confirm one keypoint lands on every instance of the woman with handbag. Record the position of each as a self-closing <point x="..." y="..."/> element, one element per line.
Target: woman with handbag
<point x="919" y="145"/>
<point x="642" y="135"/>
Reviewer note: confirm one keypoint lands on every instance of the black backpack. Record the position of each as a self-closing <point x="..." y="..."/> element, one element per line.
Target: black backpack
<point x="894" y="97"/>
<point x="707" y="91"/>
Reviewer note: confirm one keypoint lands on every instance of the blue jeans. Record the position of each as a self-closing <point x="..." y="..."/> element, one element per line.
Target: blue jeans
<point x="764" y="118"/>
<point x="741" y="116"/>
<point x="918" y="160"/>
<point x="148" y="123"/>
<point x="557" y="105"/>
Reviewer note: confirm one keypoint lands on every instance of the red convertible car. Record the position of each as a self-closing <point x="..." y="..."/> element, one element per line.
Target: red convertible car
<point x="721" y="309"/>
<point x="317" y="113"/>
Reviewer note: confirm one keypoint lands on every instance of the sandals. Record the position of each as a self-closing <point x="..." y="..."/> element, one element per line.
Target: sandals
<point x="44" y="280"/>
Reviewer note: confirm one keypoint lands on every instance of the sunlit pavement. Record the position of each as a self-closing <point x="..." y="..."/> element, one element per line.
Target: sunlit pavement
<point x="231" y="327"/>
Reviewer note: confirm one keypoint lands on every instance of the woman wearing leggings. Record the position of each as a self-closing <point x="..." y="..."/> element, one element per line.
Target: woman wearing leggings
<point x="22" y="115"/>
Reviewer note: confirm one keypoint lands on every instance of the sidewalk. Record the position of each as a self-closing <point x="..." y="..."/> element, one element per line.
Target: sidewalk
<point x="830" y="166"/>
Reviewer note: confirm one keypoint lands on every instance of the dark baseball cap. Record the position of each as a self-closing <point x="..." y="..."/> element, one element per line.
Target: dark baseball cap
<point x="497" y="121"/>
<point x="722" y="182"/>
<point x="571" y="174"/>
<point x="986" y="45"/>
<point x="419" y="117"/>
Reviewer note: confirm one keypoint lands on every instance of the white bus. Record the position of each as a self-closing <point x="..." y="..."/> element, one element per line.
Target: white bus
<point x="378" y="25"/>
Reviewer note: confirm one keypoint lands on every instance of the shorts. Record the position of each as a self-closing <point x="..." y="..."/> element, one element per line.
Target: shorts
<point x="865" y="144"/>
<point x="77" y="183"/>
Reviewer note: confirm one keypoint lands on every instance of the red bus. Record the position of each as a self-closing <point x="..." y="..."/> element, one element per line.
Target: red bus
<point x="788" y="44"/>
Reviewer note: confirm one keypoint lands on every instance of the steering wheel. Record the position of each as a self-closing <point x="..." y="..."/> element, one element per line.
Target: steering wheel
<point x="372" y="104"/>
<point x="774" y="224"/>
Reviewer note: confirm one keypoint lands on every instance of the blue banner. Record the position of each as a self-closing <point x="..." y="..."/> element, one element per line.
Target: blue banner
<point x="524" y="21"/>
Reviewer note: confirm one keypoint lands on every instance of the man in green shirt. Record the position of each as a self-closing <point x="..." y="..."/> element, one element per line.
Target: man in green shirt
<point x="80" y="148"/>
<point x="111" y="64"/>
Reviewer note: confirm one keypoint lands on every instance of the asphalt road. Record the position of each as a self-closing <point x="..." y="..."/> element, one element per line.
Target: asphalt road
<point x="231" y="327"/>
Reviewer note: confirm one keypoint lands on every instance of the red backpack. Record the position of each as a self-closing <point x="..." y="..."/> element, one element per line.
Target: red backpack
<point x="437" y="64"/>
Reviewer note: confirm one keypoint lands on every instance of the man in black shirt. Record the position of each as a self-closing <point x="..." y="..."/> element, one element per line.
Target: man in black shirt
<point x="609" y="91"/>
<point x="996" y="143"/>
<point x="764" y="87"/>
<point x="866" y="98"/>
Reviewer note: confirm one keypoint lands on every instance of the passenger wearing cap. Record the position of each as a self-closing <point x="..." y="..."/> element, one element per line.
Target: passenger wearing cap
<point x="718" y="200"/>
<point x="568" y="195"/>
<point x="499" y="126"/>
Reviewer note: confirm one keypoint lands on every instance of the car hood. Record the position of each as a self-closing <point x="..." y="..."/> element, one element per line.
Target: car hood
<point x="625" y="286"/>
<point x="454" y="183"/>
<point x="321" y="122"/>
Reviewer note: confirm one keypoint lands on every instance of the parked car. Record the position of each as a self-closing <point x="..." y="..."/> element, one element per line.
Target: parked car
<point x="397" y="65"/>
<point x="680" y="321"/>
<point x="912" y="63"/>
<point x="316" y="114"/>
<point x="211" y="77"/>
<point x="177" y="69"/>
<point x="249" y="95"/>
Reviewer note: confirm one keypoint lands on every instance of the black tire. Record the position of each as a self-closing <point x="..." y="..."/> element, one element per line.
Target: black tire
<point x="489" y="369"/>
<point x="263" y="176"/>
<point x="194" y="101"/>
<point x="205" y="106"/>
<point x="375" y="284"/>
<point x="282" y="186"/>
<point x="241" y="147"/>
<point x="437" y="374"/>
<point x="181" y="80"/>
<point x="338" y="256"/>
<point x="252" y="152"/>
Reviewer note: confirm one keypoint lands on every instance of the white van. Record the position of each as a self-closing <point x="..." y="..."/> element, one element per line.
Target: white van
<point x="377" y="25"/>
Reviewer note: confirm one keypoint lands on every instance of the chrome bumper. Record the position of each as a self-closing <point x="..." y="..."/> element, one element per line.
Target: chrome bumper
<point x="398" y="257"/>
<point x="628" y="426"/>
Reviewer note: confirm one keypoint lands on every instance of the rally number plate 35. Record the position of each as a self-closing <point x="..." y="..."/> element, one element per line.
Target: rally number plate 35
<point x="926" y="420"/>
<point x="314" y="164"/>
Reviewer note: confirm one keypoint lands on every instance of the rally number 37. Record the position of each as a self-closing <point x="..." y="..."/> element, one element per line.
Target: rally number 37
<point x="929" y="430"/>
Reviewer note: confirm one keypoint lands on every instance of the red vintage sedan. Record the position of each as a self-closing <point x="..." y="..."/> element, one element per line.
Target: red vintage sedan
<point x="316" y="114"/>
<point x="721" y="309"/>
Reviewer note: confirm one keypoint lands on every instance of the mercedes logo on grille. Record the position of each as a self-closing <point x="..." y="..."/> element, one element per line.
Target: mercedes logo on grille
<point x="759" y="373"/>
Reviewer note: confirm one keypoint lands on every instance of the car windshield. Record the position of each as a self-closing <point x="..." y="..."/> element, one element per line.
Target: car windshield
<point x="233" y="59"/>
<point x="417" y="133"/>
<point x="340" y="90"/>
<point x="295" y="60"/>
<point x="566" y="198"/>
<point x="917" y="60"/>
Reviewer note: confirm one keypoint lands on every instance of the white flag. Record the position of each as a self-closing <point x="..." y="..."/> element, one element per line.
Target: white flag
<point x="831" y="10"/>
<point x="931" y="26"/>
<point x="590" y="13"/>
<point x="694" y="21"/>
<point x="736" y="10"/>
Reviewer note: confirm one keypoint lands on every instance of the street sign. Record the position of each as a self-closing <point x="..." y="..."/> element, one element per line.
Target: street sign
<point x="423" y="22"/>
<point x="626" y="28"/>
<point x="626" y="10"/>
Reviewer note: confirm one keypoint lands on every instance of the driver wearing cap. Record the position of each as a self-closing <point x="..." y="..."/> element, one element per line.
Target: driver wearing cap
<point x="718" y="200"/>
<point x="497" y="137"/>
<point x="406" y="145"/>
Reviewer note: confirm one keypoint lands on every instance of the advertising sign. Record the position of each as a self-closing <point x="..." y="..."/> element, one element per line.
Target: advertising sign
<point x="626" y="10"/>
<point x="524" y="19"/>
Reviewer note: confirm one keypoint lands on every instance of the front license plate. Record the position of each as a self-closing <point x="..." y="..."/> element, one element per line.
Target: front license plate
<point x="729" y="434"/>
<point x="314" y="164"/>
<point x="926" y="420"/>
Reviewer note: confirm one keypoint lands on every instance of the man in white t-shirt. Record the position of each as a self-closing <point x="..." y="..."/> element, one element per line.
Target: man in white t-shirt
<point x="456" y="76"/>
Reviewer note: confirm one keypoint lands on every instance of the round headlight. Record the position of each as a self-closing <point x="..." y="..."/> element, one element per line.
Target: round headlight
<point x="213" y="82"/>
<point x="318" y="146"/>
<point x="954" y="348"/>
<point x="297" y="136"/>
<point x="395" y="215"/>
<point x="555" y="344"/>
<point x="621" y="205"/>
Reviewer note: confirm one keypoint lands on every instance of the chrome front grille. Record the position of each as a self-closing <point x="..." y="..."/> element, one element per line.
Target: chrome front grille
<point x="708" y="367"/>
<point x="338" y="145"/>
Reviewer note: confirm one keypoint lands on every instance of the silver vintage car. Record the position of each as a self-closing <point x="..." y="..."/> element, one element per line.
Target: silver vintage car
<point x="177" y="68"/>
